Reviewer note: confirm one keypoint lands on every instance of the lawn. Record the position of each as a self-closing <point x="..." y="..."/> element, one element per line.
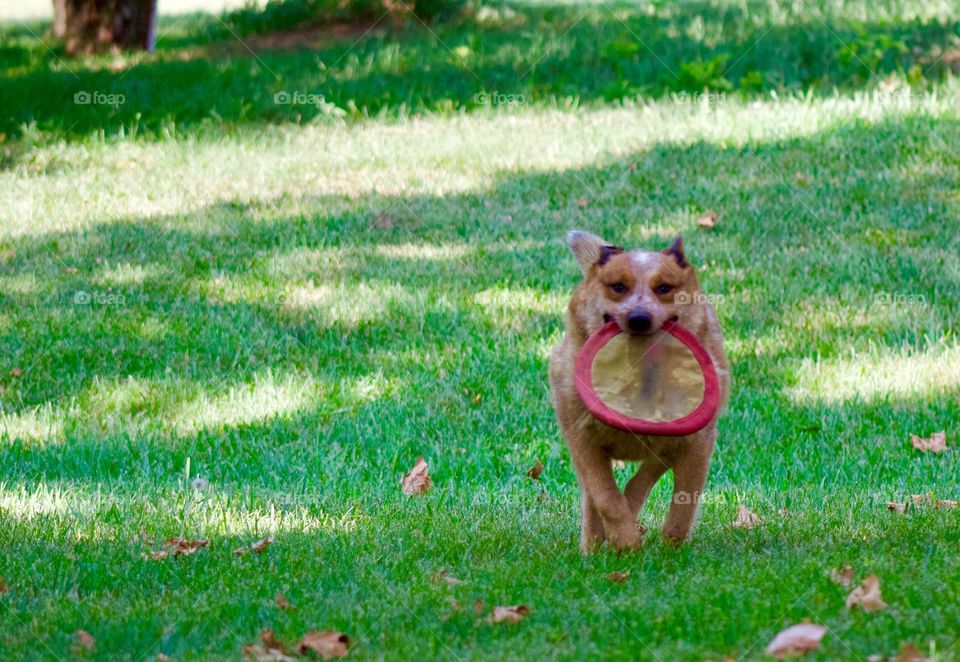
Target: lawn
<point x="225" y="319"/>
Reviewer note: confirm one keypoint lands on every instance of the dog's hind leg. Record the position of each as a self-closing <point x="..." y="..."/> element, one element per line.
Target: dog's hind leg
<point x="638" y="488"/>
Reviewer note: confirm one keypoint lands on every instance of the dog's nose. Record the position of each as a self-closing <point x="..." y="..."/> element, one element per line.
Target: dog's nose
<point x="639" y="321"/>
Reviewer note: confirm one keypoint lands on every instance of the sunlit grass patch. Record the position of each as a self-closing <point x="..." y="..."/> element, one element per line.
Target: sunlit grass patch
<point x="867" y="377"/>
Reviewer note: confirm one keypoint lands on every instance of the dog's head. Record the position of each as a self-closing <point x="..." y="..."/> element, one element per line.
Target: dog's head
<point x="639" y="290"/>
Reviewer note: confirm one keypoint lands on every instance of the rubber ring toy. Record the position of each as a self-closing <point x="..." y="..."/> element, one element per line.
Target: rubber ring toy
<point x="697" y="418"/>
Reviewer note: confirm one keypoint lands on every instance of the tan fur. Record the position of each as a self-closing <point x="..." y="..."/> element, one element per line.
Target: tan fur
<point x="608" y="514"/>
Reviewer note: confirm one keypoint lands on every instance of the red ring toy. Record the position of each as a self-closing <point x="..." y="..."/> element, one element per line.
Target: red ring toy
<point x="696" y="420"/>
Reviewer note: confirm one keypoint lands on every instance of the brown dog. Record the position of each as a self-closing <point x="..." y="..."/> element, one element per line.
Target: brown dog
<point x="639" y="290"/>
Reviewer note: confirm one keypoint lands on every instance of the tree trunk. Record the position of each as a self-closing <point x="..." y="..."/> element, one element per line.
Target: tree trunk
<point x="92" y="26"/>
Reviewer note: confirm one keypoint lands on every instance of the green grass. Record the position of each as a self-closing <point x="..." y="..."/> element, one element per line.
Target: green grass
<point x="294" y="311"/>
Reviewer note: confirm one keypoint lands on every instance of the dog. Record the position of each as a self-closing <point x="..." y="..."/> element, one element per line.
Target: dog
<point x="639" y="290"/>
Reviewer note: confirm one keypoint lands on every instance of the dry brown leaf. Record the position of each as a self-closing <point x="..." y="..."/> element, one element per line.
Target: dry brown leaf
<point x="707" y="221"/>
<point x="16" y="372"/>
<point x="783" y="512"/>
<point x="418" y="481"/>
<point x="909" y="653"/>
<point x="867" y="595"/>
<point x="746" y="518"/>
<point x="283" y="603"/>
<point x="844" y="576"/>
<point x="328" y="644"/>
<point x="261" y="546"/>
<point x="262" y="654"/>
<point x="84" y="641"/>
<point x="946" y="503"/>
<point x="444" y="576"/>
<point x="240" y="551"/>
<point x="536" y="470"/>
<point x="271" y="651"/>
<point x="797" y="639"/>
<point x="478" y="606"/>
<point x="160" y="657"/>
<point x="157" y="555"/>
<point x="181" y="546"/>
<point x="510" y="614"/>
<point x="619" y="577"/>
<point x="896" y="507"/>
<point x="3" y="587"/>
<point x="935" y="443"/>
<point x="582" y="202"/>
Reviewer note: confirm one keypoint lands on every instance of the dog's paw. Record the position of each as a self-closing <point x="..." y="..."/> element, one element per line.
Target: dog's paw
<point x="626" y="538"/>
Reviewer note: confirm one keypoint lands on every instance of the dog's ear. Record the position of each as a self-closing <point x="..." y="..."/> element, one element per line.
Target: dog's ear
<point x="589" y="249"/>
<point x="675" y="250"/>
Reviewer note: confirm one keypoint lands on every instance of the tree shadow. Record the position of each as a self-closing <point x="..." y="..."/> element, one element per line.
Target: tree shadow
<point x="353" y="340"/>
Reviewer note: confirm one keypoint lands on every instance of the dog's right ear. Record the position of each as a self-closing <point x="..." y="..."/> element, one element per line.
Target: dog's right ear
<point x="589" y="249"/>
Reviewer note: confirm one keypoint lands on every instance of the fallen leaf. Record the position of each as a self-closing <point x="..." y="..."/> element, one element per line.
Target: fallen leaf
<point x="536" y="470"/>
<point x="867" y="595"/>
<point x="327" y="645"/>
<point x="909" y="653"/>
<point x="261" y="654"/>
<point x="935" y="443"/>
<point x="511" y="614"/>
<point x="946" y="503"/>
<point x="240" y="551"/>
<point x="84" y="641"/>
<point x="708" y="220"/>
<point x="3" y="587"/>
<point x="160" y="657"/>
<point x="261" y="546"/>
<point x="157" y="555"/>
<point x="444" y="576"/>
<point x="783" y="512"/>
<point x="283" y="603"/>
<point x="582" y="202"/>
<point x="895" y="507"/>
<point x="619" y="577"/>
<point x="844" y="576"/>
<point x="16" y="372"/>
<point x="796" y="640"/>
<point x="182" y="547"/>
<point x="271" y="651"/>
<point x="418" y="481"/>
<point x="478" y="606"/>
<point x="746" y="518"/>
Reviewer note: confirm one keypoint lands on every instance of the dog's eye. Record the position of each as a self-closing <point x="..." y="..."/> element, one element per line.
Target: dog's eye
<point x="663" y="288"/>
<point x="618" y="288"/>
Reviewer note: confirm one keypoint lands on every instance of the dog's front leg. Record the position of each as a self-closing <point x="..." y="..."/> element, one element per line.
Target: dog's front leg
<point x="689" y="476"/>
<point x="595" y="473"/>
<point x="591" y="526"/>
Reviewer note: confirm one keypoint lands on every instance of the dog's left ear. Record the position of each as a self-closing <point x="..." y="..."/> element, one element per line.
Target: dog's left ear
<point x="675" y="250"/>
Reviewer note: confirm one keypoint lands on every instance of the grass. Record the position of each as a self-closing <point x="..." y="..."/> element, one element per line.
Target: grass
<point x="294" y="311"/>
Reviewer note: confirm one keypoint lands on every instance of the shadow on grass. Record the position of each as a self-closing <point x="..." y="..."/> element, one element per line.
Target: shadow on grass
<point x="202" y="78"/>
<point x="327" y="349"/>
